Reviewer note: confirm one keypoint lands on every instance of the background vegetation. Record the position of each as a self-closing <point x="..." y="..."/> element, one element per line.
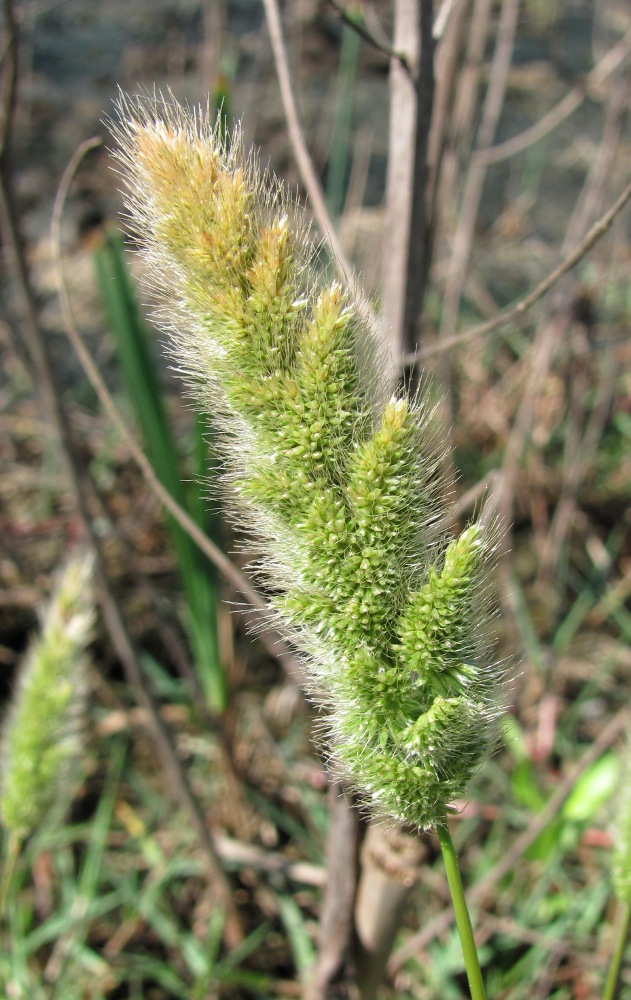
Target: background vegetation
<point x="193" y="861"/>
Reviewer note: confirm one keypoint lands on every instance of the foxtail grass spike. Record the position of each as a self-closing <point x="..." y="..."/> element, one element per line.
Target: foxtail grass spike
<point x="336" y="482"/>
<point x="42" y="734"/>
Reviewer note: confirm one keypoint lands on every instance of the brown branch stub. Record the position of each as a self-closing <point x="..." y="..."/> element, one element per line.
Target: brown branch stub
<point x="391" y="859"/>
<point x="336" y="920"/>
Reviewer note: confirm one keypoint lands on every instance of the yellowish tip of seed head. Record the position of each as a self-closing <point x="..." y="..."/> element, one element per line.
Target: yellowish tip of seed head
<point x="395" y="413"/>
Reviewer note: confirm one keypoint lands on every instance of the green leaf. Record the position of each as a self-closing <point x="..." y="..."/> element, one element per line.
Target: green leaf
<point x="593" y="789"/>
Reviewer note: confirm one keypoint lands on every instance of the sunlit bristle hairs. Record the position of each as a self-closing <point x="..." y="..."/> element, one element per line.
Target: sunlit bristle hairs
<point x="336" y="481"/>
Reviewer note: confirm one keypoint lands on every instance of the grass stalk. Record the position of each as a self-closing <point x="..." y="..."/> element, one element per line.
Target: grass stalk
<point x="461" y="912"/>
<point x="13" y="842"/>
<point x="623" y="922"/>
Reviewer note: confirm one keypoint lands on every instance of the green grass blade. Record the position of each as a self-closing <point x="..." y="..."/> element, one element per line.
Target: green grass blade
<point x="341" y="139"/>
<point x="299" y="940"/>
<point x="199" y="579"/>
<point x="87" y="900"/>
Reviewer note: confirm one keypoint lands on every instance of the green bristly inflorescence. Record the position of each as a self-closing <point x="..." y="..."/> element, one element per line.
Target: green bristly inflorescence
<point x="41" y="739"/>
<point x="338" y="484"/>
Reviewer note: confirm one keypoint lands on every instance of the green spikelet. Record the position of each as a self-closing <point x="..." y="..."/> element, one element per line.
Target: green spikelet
<point x="41" y="740"/>
<point x="337" y="484"/>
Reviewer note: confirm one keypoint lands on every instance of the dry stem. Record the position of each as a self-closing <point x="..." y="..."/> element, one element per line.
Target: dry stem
<point x="597" y="231"/>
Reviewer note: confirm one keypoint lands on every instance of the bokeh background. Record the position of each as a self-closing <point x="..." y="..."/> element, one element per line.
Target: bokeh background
<point x="114" y="902"/>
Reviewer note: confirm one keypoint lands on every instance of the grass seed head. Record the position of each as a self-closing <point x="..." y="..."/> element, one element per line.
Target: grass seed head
<point x="42" y="735"/>
<point x="338" y="486"/>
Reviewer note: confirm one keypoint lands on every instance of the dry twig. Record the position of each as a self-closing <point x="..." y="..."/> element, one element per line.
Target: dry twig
<point x="336" y="921"/>
<point x="572" y="100"/>
<point x="8" y="82"/>
<point x="470" y="201"/>
<point x="364" y="32"/>
<point x="407" y="230"/>
<point x="597" y="231"/>
<point x="303" y="159"/>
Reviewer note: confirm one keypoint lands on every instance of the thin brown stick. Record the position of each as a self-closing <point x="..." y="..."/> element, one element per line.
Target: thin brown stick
<point x="419" y="942"/>
<point x="597" y="231"/>
<point x="364" y="32"/>
<point x="273" y="862"/>
<point x="566" y="106"/>
<point x="443" y="17"/>
<point x="336" y="920"/>
<point x="303" y="159"/>
<point x="459" y="122"/>
<point x="462" y="243"/>
<point x="448" y="72"/>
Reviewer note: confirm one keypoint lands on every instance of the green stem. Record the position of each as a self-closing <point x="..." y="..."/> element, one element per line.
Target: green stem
<point x="463" y="920"/>
<point x="623" y="919"/>
<point x="13" y="850"/>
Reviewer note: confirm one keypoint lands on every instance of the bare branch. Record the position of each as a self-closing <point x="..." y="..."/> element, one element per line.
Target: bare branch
<point x="357" y="24"/>
<point x="470" y="201"/>
<point x="597" y="231"/>
<point x="442" y="18"/>
<point x="572" y="100"/>
<point x="406" y="241"/>
<point x="336" y="921"/>
<point x="303" y="159"/>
